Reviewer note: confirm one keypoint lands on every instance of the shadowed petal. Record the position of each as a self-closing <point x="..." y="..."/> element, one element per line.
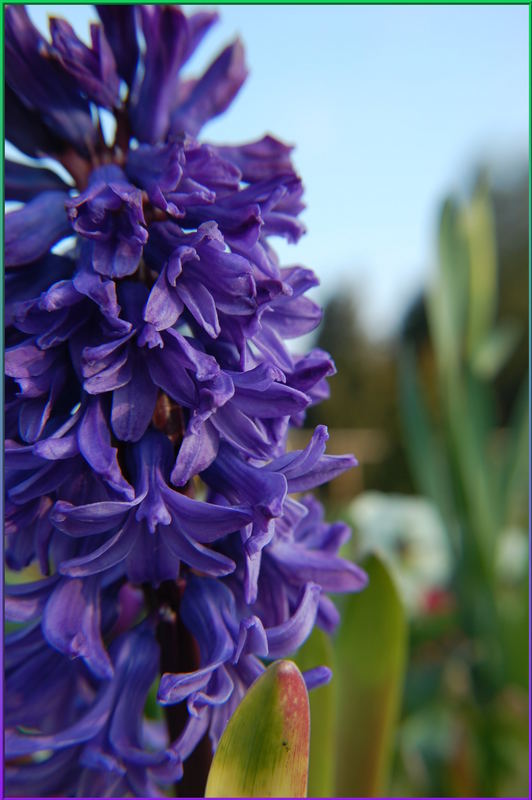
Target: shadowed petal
<point x="93" y="69"/>
<point x="34" y="229"/>
<point x="134" y="404"/>
<point x="95" y="444"/>
<point x="23" y="182"/>
<point x="112" y="552"/>
<point x="85" y="728"/>
<point x="197" y="451"/>
<point x="92" y="518"/>
<point x="120" y="30"/>
<point x="71" y="623"/>
<point x="25" y="601"/>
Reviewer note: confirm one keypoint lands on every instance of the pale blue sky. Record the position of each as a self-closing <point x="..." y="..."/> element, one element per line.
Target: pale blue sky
<point x="390" y="108"/>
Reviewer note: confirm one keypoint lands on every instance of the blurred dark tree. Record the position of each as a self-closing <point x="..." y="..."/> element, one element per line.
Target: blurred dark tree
<point x="511" y="207"/>
<point x="363" y="392"/>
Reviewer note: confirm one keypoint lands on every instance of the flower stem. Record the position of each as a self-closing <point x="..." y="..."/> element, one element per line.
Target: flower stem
<point x="179" y="653"/>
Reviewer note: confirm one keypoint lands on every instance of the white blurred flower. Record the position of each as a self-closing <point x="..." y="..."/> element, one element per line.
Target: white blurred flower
<point x="511" y="558"/>
<point x="409" y="533"/>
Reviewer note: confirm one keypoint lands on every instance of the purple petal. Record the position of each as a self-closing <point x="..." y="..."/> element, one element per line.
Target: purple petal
<point x="34" y="229"/>
<point x="25" y="601"/>
<point x="196" y="556"/>
<point x="176" y="688"/>
<point x="276" y="400"/>
<point x="164" y="306"/>
<point x="205" y="522"/>
<point x="151" y="559"/>
<point x="232" y="476"/>
<point x="45" y="778"/>
<point x="295" y="317"/>
<point x="33" y="416"/>
<point x="312" y="368"/>
<point x="193" y="733"/>
<point x="157" y="169"/>
<point x="95" y="444"/>
<point x="111" y="553"/>
<point x="134" y="404"/>
<point x="92" y="518"/>
<point x="319" y="676"/>
<point x="24" y="182"/>
<point x="107" y="379"/>
<point x="305" y="469"/>
<point x="242" y="432"/>
<point x="71" y="623"/>
<point x="332" y="573"/>
<point x="25" y="128"/>
<point x="165" y="33"/>
<point x="125" y="728"/>
<point x="200" y="303"/>
<point x="216" y="693"/>
<point x="54" y="93"/>
<point x="43" y="481"/>
<point x="260" y="160"/>
<point x="84" y="729"/>
<point x="120" y="30"/>
<point x="252" y="639"/>
<point x="93" y="69"/>
<point x="197" y="451"/>
<point x="327" y="617"/>
<point x="283" y="639"/>
<point x="213" y="92"/>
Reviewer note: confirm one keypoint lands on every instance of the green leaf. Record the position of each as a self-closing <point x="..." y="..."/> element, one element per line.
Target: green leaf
<point x="447" y="302"/>
<point x="515" y="473"/>
<point x="317" y="651"/>
<point x="495" y="349"/>
<point x="370" y="656"/>
<point x="264" y="749"/>
<point x="480" y="227"/>
<point x="425" y="453"/>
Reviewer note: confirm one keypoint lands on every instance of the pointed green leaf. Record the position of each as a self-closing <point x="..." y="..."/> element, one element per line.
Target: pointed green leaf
<point x="264" y="749"/>
<point x="317" y="651"/>
<point x="424" y="450"/>
<point x="480" y="227"/>
<point x="370" y="660"/>
<point x="447" y="302"/>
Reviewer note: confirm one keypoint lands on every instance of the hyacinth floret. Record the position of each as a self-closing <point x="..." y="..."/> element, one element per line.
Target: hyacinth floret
<point x="150" y="391"/>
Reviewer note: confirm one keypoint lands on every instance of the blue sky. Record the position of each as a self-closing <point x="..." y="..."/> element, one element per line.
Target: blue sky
<point x="390" y="107"/>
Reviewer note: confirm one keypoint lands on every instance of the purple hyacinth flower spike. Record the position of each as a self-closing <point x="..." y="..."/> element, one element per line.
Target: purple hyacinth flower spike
<point x="172" y="546"/>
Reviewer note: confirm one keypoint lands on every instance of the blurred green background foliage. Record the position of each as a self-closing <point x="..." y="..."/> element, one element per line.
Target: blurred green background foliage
<point x="437" y="703"/>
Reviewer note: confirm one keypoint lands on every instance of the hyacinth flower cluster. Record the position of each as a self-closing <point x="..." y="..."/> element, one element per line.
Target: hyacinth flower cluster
<point x="149" y="394"/>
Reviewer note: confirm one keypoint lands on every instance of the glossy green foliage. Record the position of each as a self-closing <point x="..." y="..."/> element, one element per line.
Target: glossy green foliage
<point x="264" y="750"/>
<point x="475" y="469"/>
<point x="370" y="653"/>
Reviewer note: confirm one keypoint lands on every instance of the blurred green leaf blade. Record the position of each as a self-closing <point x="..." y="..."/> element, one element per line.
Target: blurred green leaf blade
<point x="495" y="349"/>
<point x="318" y="650"/>
<point x="447" y="303"/>
<point x="480" y="227"/>
<point x="370" y="652"/>
<point x="424" y="451"/>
